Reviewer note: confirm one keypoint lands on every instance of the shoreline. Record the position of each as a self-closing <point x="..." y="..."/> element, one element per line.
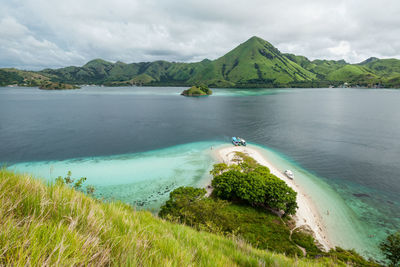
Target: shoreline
<point x="306" y="215"/>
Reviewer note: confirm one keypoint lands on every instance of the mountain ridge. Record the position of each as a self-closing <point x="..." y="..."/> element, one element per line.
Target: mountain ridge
<point x="253" y="63"/>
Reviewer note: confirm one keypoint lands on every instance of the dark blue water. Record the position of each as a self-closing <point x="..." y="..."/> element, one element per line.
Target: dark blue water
<point x="348" y="137"/>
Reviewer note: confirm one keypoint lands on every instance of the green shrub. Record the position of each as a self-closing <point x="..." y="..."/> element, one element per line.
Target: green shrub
<point x="180" y="198"/>
<point x="306" y="241"/>
<point x="350" y="257"/>
<point x="390" y="247"/>
<point x="254" y="184"/>
<point x="225" y="185"/>
<point x="260" y="228"/>
<point x="76" y="184"/>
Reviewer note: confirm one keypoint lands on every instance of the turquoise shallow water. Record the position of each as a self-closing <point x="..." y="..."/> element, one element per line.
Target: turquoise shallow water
<point x="175" y="91"/>
<point x="143" y="180"/>
<point x="342" y="226"/>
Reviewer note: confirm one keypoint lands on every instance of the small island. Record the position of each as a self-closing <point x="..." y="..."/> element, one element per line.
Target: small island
<point x="201" y="90"/>
<point x="57" y="86"/>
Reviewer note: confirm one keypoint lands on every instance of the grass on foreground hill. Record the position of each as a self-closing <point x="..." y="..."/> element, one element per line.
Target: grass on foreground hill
<point x="56" y="225"/>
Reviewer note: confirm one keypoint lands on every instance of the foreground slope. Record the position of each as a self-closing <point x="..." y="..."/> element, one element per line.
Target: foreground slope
<point x="55" y="225"/>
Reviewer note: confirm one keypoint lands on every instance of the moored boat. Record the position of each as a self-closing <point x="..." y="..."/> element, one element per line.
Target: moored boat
<point x="289" y="174"/>
<point x="235" y="141"/>
<point x="242" y="142"/>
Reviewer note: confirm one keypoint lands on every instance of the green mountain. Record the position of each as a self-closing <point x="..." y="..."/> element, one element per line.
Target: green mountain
<point x="321" y="68"/>
<point x="258" y="62"/>
<point x="351" y="73"/>
<point x="387" y="68"/>
<point x="369" y="72"/>
<point x="254" y="63"/>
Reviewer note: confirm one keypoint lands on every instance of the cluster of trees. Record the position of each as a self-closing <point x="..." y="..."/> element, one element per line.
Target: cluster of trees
<point x="190" y="206"/>
<point x="197" y="90"/>
<point x="253" y="184"/>
<point x="57" y="86"/>
<point x="205" y="89"/>
<point x="10" y="77"/>
<point x="262" y="229"/>
<point x="240" y="205"/>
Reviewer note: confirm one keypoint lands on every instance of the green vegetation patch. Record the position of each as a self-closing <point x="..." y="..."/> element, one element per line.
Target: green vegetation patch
<point x="390" y="247"/>
<point x="201" y="90"/>
<point x="55" y="225"/>
<point x="254" y="185"/>
<point x="306" y="241"/>
<point x="57" y="86"/>
<point x="262" y="229"/>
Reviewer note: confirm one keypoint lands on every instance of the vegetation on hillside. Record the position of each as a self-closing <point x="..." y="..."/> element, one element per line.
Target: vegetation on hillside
<point x="262" y="229"/>
<point x="254" y="63"/>
<point x="57" y="86"/>
<point x="55" y="225"/>
<point x="253" y="184"/>
<point x="21" y="78"/>
<point x="390" y="247"/>
<point x="200" y="90"/>
<point x="251" y="212"/>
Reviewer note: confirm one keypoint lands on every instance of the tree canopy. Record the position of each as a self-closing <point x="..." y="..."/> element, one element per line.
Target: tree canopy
<point x="390" y="247"/>
<point x="179" y="198"/>
<point x="253" y="184"/>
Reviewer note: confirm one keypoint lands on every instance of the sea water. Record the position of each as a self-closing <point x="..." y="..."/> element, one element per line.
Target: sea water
<point x="340" y="222"/>
<point x="143" y="180"/>
<point x="346" y="141"/>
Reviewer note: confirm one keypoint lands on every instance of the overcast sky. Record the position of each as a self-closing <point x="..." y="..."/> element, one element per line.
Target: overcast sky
<point x="36" y="34"/>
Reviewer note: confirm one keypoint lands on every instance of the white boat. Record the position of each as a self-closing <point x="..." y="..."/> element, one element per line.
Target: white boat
<point x="289" y="174"/>
<point x="242" y="141"/>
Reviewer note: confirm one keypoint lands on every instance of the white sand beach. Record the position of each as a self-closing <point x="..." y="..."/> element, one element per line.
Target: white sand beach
<point x="306" y="214"/>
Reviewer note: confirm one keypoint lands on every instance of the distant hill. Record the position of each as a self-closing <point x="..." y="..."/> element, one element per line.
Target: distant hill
<point x="258" y="62"/>
<point x="254" y="63"/>
<point x="21" y="77"/>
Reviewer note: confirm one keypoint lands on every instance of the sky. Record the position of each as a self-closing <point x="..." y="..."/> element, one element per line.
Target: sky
<point x="37" y="34"/>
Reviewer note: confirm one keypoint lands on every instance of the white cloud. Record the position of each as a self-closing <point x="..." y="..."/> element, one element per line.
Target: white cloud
<point x="19" y="48"/>
<point x="46" y="33"/>
<point x="342" y="49"/>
